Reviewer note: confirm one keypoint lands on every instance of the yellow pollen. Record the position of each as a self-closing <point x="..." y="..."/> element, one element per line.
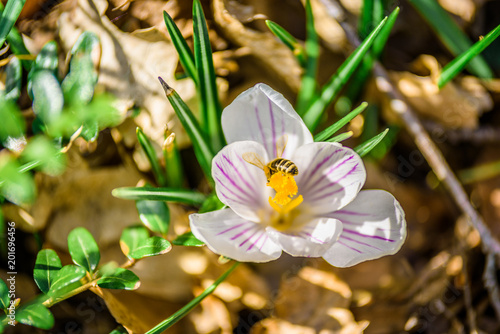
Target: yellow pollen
<point x="285" y="187"/>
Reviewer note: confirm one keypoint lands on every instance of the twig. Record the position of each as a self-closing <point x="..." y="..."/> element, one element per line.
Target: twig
<point x="490" y="282"/>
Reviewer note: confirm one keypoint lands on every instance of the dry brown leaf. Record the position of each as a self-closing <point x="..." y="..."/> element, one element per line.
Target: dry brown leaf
<point x="271" y="53"/>
<point x="457" y="105"/>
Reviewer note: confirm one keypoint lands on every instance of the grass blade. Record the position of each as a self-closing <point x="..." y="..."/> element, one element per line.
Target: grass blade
<point x="167" y="323"/>
<point x="9" y="17"/>
<point x="340" y="137"/>
<point x="368" y="145"/>
<point x="173" y="163"/>
<point x="371" y="12"/>
<point x="458" y="64"/>
<point x="185" y="55"/>
<point x="450" y="34"/>
<point x="308" y="83"/>
<point x="313" y="115"/>
<point x="202" y="149"/>
<point x="207" y="89"/>
<point x="150" y="152"/>
<point x="189" y="197"/>
<point x="328" y="132"/>
<point x="289" y="41"/>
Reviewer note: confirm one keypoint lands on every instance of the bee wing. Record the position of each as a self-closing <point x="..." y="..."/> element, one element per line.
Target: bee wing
<point x="254" y="159"/>
<point x="281" y="145"/>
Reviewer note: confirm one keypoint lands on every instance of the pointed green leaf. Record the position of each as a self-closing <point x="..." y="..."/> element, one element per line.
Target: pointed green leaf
<point x="68" y="274"/>
<point x="371" y="12"/>
<point x="289" y="41"/>
<point x="4" y="295"/>
<point x="17" y="187"/>
<point x="173" y="164"/>
<point x="188" y="239"/>
<point x="210" y="106"/>
<point x="9" y="17"/>
<point x="120" y="279"/>
<point x="12" y="124"/>
<point x="83" y="249"/>
<point x="202" y="149"/>
<point x="119" y="330"/>
<point x="50" y="159"/>
<point x="340" y="137"/>
<point x="450" y="34"/>
<point x="35" y="315"/>
<point x="189" y="197"/>
<point x="132" y="237"/>
<point x="13" y="79"/>
<point x="185" y="55"/>
<point x="328" y="132"/>
<point x="155" y="215"/>
<point x="458" y="64"/>
<point x="48" y="98"/>
<point x="367" y="146"/>
<point x="150" y="152"/>
<point x="212" y="203"/>
<point x="313" y="115"/>
<point x="46" y="267"/>
<point x="151" y="247"/>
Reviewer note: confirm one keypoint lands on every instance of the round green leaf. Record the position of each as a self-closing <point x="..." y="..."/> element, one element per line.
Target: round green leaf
<point x="35" y="315"/>
<point x="187" y="239"/>
<point x="83" y="249"/>
<point x="4" y="295"/>
<point x="132" y="237"/>
<point x="48" y="98"/>
<point x="46" y="267"/>
<point x="151" y="247"/>
<point x="155" y="215"/>
<point x="17" y="187"/>
<point x="120" y="279"/>
<point x="67" y="275"/>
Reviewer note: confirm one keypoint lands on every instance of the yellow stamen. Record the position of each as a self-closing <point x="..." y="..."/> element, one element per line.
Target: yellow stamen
<point x="285" y="187"/>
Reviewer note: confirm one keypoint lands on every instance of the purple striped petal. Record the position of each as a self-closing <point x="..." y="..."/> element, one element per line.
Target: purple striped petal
<point x="226" y="233"/>
<point x="373" y="226"/>
<point x="311" y="240"/>
<point x="330" y="176"/>
<point x="263" y="115"/>
<point x="239" y="184"/>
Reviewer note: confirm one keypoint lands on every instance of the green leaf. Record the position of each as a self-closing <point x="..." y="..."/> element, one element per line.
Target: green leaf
<point x="150" y="152"/>
<point x="185" y="55"/>
<point x="120" y="279"/>
<point x="68" y="274"/>
<point x="50" y="159"/>
<point x="35" y="315"/>
<point x="202" y="149"/>
<point x="308" y="84"/>
<point x="211" y="110"/>
<point x="188" y="239"/>
<point x="13" y="79"/>
<point x="367" y="146"/>
<point x="46" y="267"/>
<point x="372" y="11"/>
<point x="12" y="124"/>
<point x="328" y="132"/>
<point x="48" y="100"/>
<point x="83" y="249"/>
<point x="48" y="58"/>
<point x="9" y="17"/>
<point x="212" y="203"/>
<point x="313" y="115"/>
<point x="173" y="163"/>
<point x="458" y="64"/>
<point x="151" y="247"/>
<point x="17" y="187"/>
<point x="155" y="215"/>
<point x="119" y="330"/>
<point x="132" y="237"/>
<point x="340" y="137"/>
<point x="189" y="197"/>
<point x="450" y="34"/>
<point x="289" y="41"/>
<point x="4" y="295"/>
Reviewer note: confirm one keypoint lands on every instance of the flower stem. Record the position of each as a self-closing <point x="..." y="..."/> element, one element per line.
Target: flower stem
<point x="189" y="306"/>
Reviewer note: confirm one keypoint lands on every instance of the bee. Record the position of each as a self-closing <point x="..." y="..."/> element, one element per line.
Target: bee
<point x="276" y="165"/>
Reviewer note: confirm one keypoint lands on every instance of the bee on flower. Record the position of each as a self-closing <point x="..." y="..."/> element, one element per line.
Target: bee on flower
<point x="285" y="192"/>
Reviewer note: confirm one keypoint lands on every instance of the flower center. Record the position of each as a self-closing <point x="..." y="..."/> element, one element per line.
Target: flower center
<point x="283" y="202"/>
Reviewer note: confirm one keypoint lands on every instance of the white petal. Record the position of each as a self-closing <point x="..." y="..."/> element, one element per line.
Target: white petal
<point x="239" y="184"/>
<point x="373" y="226"/>
<point x="263" y="115"/>
<point x="330" y="176"/>
<point x="226" y="233"/>
<point x="312" y="240"/>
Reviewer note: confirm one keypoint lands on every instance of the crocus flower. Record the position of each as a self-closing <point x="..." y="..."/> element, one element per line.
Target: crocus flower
<point x="307" y="202"/>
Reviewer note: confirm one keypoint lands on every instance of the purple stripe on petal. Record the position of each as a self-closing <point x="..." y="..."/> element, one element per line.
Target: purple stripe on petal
<point x="246" y="165"/>
<point x="312" y="171"/>
<point x="232" y="228"/>
<point x="359" y="242"/>
<point x="352" y="213"/>
<point x="255" y="241"/>
<point x="313" y="237"/>
<point x="234" y="185"/>
<point x="233" y="193"/>
<point x="352" y="248"/>
<point x="241" y="233"/>
<point x="247" y="239"/>
<point x="264" y="241"/>
<point x="367" y="236"/>
<point x="261" y="129"/>
<point x="239" y="175"/>
<point x="272" y="127"/>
